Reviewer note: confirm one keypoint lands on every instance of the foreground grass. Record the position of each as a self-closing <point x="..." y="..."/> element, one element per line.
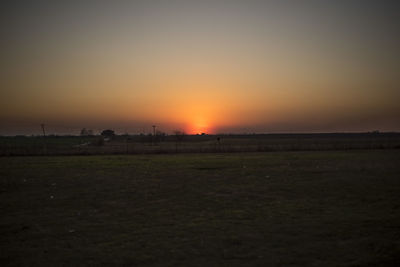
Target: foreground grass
<point x="262" y="209"/>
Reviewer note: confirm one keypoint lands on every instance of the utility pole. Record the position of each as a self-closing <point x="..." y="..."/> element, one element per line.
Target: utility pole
<point x="44" y="141"/>
<point x="44" y="132"/>
<point x="154" y="134"/>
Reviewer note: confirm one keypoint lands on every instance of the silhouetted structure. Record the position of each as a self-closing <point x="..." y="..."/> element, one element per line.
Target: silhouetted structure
<point x="44" y="132"/>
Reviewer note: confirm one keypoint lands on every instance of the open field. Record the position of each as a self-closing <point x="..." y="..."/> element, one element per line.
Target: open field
<point x="147" y="144"/>
<point x="316" y="208"/>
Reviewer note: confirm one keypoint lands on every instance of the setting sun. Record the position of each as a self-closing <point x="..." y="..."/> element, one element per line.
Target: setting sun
<point x="235" y="67"/>
<point x="199" y="126"/>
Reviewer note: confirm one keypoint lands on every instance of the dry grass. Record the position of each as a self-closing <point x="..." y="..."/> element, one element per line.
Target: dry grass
<point x="337" y="208"/>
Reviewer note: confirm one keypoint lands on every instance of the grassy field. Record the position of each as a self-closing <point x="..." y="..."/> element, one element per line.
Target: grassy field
<point x="332" y="208"/>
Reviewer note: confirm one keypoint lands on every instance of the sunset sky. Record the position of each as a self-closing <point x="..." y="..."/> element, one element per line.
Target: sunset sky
<point x="200" y="66"/>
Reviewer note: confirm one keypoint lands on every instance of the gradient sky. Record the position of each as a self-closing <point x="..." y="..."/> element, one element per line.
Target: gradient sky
<point x="200" y="66"/>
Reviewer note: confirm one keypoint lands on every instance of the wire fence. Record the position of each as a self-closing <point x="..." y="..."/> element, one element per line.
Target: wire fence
<point x="148" y="144"/>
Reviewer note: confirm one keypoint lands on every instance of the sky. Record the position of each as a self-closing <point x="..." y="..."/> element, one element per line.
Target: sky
<point x="200" y="66"/>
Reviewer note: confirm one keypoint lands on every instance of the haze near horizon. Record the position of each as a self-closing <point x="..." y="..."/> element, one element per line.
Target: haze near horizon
<point x="200" y="66"/>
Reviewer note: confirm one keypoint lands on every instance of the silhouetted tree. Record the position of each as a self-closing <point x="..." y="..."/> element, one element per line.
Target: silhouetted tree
<point x="84" y="132"/>
<point x="108" y="133"/>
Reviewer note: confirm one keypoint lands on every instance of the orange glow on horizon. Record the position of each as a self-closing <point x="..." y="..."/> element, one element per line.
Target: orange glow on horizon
<point x="200" y="68"/>
<point x="199" y="126"/>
